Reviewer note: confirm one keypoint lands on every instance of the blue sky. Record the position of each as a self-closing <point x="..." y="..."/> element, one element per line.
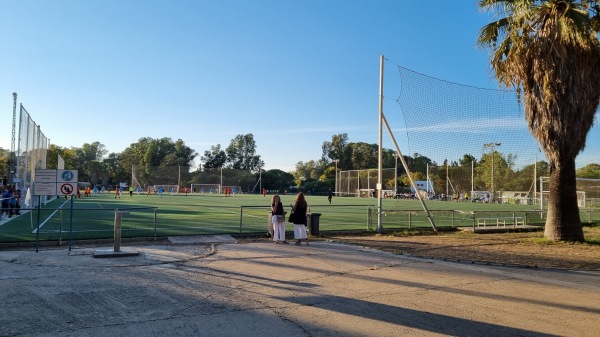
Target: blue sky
<point x="292" y="73"/>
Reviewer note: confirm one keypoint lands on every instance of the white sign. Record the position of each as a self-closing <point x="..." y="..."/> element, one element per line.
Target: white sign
<point x="44" y="188"/>
<point x="45" y="176"/>
<point x="66" y="176"/>
<point x="55" y="182"/>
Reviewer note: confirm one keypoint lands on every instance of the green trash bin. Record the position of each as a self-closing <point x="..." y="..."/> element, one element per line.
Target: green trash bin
<point x="314" y="223"/>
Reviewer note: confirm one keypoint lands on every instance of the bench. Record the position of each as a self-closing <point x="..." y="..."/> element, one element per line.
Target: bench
<point x="515" y="221"/>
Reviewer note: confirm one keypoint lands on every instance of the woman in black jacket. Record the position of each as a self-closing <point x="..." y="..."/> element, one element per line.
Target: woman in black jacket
<point x="278" y="219"/>
<point x="299" y="208"/>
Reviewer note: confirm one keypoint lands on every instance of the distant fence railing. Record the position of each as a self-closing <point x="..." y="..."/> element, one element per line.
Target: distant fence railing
<point x="412" y="219"/>
<point x="62" y="224"/>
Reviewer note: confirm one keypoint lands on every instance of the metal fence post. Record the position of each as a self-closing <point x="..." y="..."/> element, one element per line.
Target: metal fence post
<point x="241" y="215"/>
<point x="117" y="243"/>
<point x="60" y="228"/>
<point x="155" y="231"/>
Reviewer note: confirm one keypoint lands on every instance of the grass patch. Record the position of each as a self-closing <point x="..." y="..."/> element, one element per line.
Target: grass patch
<point x="591" y="236"/>
<point x="411" y="232"/>
<point x="150" y="216"/>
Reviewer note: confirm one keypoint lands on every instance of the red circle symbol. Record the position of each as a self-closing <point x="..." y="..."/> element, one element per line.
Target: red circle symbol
<point x="66" y="189"/>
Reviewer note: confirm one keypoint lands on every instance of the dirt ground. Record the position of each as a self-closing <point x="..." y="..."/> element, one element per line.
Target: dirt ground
<point x="527" y="249"/>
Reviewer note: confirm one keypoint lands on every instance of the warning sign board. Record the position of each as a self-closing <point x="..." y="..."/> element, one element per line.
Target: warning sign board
<point x="67" y="188"/>
<point x="55" y="182"/>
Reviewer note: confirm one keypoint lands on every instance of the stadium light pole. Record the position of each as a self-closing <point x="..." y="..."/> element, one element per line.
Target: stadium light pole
<point x="336" y="162"/>
<point x="11" y="165"/>
<point x="395" y="174"/>
<point x="493" y="147"/>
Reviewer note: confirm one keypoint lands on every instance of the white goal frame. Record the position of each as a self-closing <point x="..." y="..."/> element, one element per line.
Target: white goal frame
<point x="544" y="193"/>
<point x="166" y="188"/>
<point x="197" y="188"/>
<point x="238" y="189"/>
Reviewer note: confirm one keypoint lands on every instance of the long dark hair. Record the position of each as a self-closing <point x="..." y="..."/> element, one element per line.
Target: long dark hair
<point x="273" y="200"/>
<point x="300" y="200"/>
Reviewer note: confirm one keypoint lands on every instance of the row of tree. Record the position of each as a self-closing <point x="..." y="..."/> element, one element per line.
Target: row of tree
<point x="153" y="158"/>
<point x="320" y="174"/>
<point x="98" y="166"/>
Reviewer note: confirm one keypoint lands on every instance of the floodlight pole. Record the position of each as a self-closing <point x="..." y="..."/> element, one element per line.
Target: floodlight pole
<point x="493" y="147"/>
<point x="535" y="179"/>
<point x="11" y="165"/>
<point x="336" y="186"/>
<point x="395" y="174"/>
<point x="380" y="159"/>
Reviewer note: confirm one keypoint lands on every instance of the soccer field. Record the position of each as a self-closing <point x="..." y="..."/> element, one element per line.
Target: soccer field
<point x="152" y="216"/>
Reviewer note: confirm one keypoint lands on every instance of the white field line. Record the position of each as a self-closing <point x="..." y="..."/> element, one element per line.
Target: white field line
<point x="49" y="217"/>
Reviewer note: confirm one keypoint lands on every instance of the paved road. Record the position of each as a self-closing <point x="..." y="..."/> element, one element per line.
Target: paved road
<point x="264" y="289"/>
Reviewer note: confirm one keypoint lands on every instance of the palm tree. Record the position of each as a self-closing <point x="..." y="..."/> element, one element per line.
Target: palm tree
<point x="549" y="52"/>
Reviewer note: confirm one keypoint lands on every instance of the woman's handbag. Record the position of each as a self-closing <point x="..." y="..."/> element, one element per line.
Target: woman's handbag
<point x="292" y="217"/>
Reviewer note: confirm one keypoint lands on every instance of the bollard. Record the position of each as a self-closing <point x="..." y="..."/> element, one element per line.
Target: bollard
<point x="118" y="218"/>
<point x="116" y="251"/>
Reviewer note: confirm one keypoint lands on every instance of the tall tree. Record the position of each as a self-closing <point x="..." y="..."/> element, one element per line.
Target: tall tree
<point x="467" y="160"/>
<point x="277" y="180"/>
<point x="215" y="158"/>
<point x="4" y="163"/>
<point x="241" y="153"/>
<point x="116" y="171"/>
<point x="500" y="168"/>
<point x="549" y="51"/>
<point x="155" y="161"/>
<point x="335" y="149"/>
<point x="364" y="155"/>
<point x="87" y="160"/>
<point x="306" y="170"/>
<point x="590" y="171"/>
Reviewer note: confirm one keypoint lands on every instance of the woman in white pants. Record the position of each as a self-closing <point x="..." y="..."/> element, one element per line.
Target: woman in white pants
<point x="299" y="209"/>
<point x="278" y="219"/>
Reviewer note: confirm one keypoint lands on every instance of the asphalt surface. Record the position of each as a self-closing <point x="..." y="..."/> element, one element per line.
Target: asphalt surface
<point x="212" y="286"/>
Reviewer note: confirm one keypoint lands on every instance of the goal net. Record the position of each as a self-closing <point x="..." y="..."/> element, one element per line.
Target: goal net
<point x="232" y="189"/>
<point x="155" y="176"/>
<point x="588" y="192"/>
<point x="205" y="188"/>
<point x="358" y="183"/>
<point x="470" y="138"/>
<point x="167" y="188"/>
<point x="450" y="182"/>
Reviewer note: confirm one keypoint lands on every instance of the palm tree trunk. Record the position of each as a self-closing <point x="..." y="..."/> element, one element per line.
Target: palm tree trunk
<point x="563" y="222"/>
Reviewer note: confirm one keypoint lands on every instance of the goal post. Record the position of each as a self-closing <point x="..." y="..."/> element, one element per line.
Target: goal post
<point x="205" y="188"/>
<point x="232" y="189"/>
<point x="167" y="188"/>
<point x="587" y="190"/>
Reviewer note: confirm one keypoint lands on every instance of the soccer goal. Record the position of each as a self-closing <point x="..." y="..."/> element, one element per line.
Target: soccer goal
<point x="515" y="198"/>
<point x="205" y="188"/>
<point x="588" y="191"/>
<point x="232" y="189"/>
<point x="362" y="183"/>
<point x="167" y="188"/>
